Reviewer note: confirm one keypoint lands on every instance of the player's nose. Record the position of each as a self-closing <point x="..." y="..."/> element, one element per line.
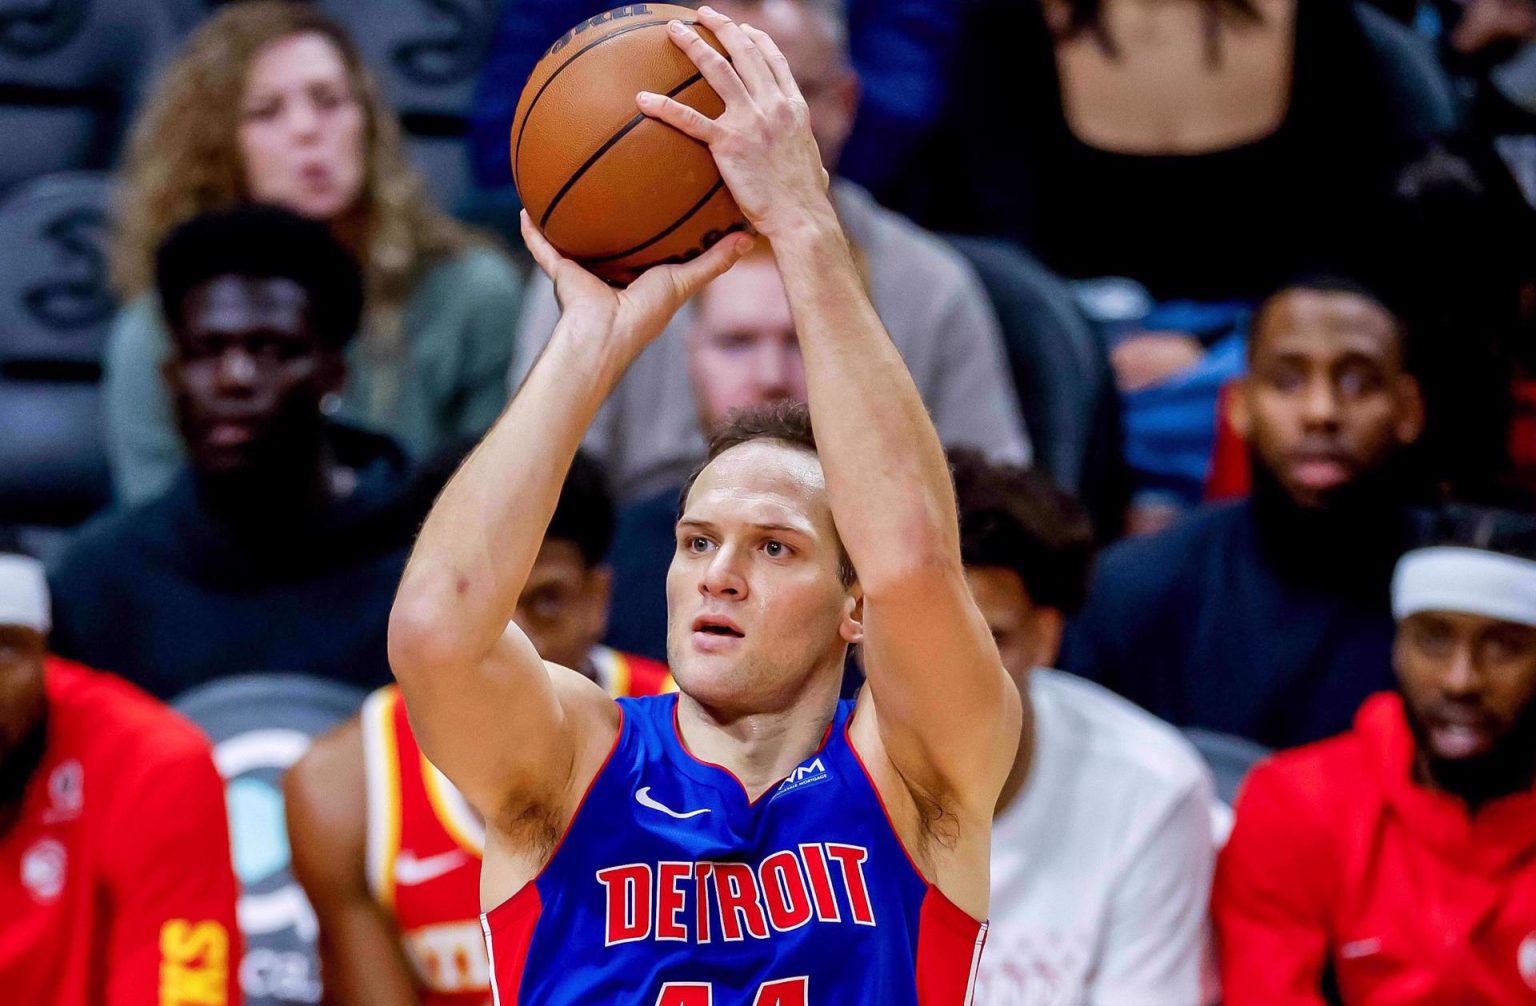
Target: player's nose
<point x="722" y="575"/>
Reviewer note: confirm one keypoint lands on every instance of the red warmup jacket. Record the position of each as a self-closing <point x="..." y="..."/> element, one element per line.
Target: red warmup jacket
<point x="115" y="881"/>
<point x="1339" y="859"/>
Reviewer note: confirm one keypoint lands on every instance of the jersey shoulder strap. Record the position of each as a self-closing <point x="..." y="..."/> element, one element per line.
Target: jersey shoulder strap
<point x="381" y="769"/>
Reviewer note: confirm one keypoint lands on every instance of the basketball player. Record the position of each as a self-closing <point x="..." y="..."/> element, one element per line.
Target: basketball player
<point x="751" y="840"/>
<point x="387" y="849"/>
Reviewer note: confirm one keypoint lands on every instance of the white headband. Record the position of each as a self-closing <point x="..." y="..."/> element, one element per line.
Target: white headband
<point x="23" y="593"/>
<point x="1470" y="580"/>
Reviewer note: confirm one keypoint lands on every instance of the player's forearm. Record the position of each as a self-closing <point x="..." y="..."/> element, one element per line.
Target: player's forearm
<point x="885" y="468"/>
<point x="477" y="546"/>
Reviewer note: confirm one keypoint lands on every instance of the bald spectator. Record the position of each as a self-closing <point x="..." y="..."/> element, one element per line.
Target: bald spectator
<point x="647" y="436"/>
<point x="1268" y="618"/>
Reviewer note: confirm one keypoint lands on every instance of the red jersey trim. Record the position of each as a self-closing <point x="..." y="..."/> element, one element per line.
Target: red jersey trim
<point x="517" y="939"/>
<point x="506" y="913"/>
<point x="949" y="945"/>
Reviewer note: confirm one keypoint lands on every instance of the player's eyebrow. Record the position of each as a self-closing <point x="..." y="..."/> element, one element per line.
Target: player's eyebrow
<point x="704" y="525"/>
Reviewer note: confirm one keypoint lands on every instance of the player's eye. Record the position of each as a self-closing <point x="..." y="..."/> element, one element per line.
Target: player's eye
<point x="697" y="544"/>
<point x="775" y="549"/>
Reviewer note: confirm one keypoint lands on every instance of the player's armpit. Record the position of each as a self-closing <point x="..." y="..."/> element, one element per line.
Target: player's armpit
<point x="949" y="716"/>
<point x="325" y="797"/>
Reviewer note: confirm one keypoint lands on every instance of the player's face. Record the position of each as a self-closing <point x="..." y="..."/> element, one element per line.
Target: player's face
<point x="742" y="349"/>
<point x="21" y="688"/>
<point x="1469" y="682"/>
<point x="248" y="373"/>
<point x="755" y="606"/>
<point x="303" y="129"/>
<point x="1027" y="636"/>
<point x="1326" y="399"/>
<point x="564" y="605"/>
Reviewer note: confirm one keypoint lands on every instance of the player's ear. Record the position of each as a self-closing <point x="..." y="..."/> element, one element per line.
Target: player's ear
<point x="852" y="627"/>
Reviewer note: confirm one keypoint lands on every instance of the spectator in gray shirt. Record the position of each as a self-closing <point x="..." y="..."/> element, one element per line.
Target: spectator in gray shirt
<point x="648" y="435"/>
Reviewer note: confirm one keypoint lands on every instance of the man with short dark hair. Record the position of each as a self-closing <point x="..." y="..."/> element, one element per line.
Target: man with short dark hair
<point x="1397" y="863"/>
<point x="753" y="837"/>
<point x="1101" y="847"/>
<point x="278" y="548"/>
<point x="1269" y="618"/>
<point x="115" y="871"/>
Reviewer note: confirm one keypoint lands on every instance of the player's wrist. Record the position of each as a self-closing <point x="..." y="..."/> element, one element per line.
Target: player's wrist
<point x="808" y="225"/>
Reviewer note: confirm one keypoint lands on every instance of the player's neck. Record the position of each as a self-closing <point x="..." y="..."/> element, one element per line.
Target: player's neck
<point x="759" y="748"/>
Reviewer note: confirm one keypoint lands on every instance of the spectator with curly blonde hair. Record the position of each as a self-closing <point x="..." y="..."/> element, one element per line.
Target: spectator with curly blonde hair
<point x="270" y="102"/>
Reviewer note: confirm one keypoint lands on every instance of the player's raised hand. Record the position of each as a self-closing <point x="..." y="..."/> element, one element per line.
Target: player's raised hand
<point x="762" y="142"/>
<point x="638" y="312"/>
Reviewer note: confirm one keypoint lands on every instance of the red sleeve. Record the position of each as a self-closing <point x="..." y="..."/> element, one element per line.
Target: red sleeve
<point x="1270" y="898"/>
<point x="173" y="938"/>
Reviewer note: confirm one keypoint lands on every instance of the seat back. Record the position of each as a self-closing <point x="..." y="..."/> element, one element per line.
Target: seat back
<point x="71" y="73"/>
<point x="428" y="54"/>
<point x="260" y="724"/>
<point x="1417" y="85"/>
<point x="1062" y="373"/>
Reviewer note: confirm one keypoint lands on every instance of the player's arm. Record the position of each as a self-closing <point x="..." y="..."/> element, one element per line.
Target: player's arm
<point x="361" y="960"/>
<point x="1269" y="903"/>
<point x="948" y="716"/>
<point x="173" y="939"/>
<point x="486" y="709"/>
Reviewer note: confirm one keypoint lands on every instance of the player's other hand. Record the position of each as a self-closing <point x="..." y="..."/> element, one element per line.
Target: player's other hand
<point x="637" y="313"/>
<point x="762" y="142"/>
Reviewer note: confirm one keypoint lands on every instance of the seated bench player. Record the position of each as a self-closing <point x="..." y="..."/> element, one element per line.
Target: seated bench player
<point x="1396" y="863"/>
<point x="387" y="850"/>
<point x="116" y="887"/>
<point x="750" y="838"/>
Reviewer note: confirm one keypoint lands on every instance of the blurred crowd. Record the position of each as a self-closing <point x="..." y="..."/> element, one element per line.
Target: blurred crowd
<point x="1226" y="310"/>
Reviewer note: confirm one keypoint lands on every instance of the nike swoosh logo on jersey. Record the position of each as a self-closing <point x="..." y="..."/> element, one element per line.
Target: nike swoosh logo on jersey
<point x="411" y="871"/>
<point x="643" y="798"/>
<point x="1356" y="949"/>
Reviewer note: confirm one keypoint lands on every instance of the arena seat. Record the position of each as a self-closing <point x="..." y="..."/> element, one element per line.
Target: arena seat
<point x="260" y="724"/>
<point x="1420" y="91"/>
<point x="1062" y="374"/>
<point x="55" y="309"/>
<point x="71" y="73"/>
<point x="428" y="56"/>
<point x="1229" y="758"/>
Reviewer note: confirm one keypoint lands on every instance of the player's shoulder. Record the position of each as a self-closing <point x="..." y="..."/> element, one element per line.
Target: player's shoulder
<point x="1114" y="743"/>
<point x="117" y="712"/>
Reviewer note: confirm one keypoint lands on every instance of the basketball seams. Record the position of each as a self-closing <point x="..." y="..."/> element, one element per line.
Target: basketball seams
<point x="517" y="146"/>
<point x="642" y="246"/>
<point x="606" y="146"/>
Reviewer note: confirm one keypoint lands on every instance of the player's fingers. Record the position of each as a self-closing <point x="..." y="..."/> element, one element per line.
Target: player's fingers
<point x="679" y="116"/>
<point x="715" y="67"/>
<point x="688" y="278"/>
<point x="746" y="59"/>
<point x="774" y="59"/>
<point x="543" y="252"/>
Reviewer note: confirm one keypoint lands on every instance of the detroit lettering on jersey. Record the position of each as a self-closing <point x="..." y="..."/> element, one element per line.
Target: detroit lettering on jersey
<point x="671" y="888"/>
<point x="782" y="893"/>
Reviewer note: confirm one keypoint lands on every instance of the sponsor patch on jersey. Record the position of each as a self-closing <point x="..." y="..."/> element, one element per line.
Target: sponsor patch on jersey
<point x="66" y="792"/>
<point x="803" y="777"/>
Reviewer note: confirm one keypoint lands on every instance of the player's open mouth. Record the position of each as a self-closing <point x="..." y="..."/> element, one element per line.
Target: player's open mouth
<point x="715" y="625"/>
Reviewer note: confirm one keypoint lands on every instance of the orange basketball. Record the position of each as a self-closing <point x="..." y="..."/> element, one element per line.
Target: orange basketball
<point x="608" y="186"/>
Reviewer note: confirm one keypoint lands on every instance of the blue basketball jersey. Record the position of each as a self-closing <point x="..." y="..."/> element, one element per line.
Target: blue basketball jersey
<point x="670" y="889"/>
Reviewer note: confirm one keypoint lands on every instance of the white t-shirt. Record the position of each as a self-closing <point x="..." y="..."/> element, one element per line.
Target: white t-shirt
<point x="1101" y="866"/>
